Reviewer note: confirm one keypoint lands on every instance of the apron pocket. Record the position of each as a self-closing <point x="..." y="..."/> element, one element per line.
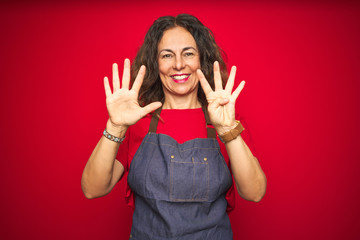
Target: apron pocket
<point x="189" y="180"/>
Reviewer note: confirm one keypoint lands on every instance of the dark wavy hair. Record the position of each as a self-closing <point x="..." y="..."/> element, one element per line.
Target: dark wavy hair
<point x="151" y="89"/>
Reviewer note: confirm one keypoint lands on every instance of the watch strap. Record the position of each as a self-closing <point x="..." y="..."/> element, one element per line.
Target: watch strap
<point x="232" y="134"/>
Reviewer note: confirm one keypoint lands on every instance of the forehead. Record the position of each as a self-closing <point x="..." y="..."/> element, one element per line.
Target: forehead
<point x="176" y="38"/>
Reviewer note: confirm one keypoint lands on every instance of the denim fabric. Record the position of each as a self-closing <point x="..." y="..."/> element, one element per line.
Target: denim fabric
<point x="179" y="190"/>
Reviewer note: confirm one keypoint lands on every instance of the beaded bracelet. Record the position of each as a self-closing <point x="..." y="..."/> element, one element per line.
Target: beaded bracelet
<point x="112" y="137"/>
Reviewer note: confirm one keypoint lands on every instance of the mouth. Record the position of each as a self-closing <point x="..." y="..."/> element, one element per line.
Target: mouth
<point x="180" y="78"/>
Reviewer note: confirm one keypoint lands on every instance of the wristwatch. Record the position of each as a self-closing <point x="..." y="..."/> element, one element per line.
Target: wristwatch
<point x="232" y="134"/>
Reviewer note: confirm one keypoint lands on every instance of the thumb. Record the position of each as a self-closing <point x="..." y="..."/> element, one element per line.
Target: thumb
<point x="150" y="108"/>
<point x="218" y="102"/>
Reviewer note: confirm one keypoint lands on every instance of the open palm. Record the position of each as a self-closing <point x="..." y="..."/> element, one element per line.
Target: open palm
<point x="122" y="103"/>
<point x="221" y="102"/>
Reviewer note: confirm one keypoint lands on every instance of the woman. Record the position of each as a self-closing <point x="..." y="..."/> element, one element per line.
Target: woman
<point x="164" y="127"/>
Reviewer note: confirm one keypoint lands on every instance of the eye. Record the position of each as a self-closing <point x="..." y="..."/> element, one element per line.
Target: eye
<point x="168" y="55"/>
<point x="189" y="54"/>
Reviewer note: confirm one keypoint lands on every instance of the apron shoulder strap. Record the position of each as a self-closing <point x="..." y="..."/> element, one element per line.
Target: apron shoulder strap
<point x="211" y="132"/>
<point x="155" y="120"/>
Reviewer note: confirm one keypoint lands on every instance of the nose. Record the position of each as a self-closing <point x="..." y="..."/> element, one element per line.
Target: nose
<point x="179" y="63"/>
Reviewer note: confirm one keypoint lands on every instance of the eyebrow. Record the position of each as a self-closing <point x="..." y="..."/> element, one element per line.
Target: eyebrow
<point x="184" y="49"/>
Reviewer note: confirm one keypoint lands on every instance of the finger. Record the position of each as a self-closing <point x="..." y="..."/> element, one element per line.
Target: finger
<point x="237" y="91"/>
<point x="217" y="76"/>
<point x="231" y="80"/>
<point x="203" y="82"/>
<point x="139" y="79"/>
<point x="115" y="77"/>
<point x="126" y="74"/>
<point x="150" y="108"/>
<point x="107" y="87"/>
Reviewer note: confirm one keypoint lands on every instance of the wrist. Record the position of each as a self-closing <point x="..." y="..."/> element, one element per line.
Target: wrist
<point x="221" y="130"/>
<point x="232" y="134"/>
<point x="116" y="130"/>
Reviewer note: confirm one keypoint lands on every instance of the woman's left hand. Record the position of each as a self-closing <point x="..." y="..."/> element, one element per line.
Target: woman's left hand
<point x="221" y="102"/>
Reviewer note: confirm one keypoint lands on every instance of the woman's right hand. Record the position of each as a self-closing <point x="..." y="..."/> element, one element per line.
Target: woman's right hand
<point x="122" y="103"/>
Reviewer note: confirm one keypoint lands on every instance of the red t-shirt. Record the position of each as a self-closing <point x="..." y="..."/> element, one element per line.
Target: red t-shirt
<point x="180" y="124"/>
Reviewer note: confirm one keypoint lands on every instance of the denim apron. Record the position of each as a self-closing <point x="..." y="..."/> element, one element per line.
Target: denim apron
<point x="179" y="188"/>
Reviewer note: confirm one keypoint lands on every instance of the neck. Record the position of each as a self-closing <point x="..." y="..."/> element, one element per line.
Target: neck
<point x="181" y="102"/>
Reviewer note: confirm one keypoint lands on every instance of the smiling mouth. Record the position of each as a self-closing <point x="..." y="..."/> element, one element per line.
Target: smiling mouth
<point x="181" y="78"/>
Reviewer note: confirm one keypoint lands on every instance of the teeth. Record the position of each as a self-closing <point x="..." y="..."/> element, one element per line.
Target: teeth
<point x="180" y="77"/>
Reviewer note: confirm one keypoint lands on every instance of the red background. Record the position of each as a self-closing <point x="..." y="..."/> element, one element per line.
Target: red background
<point x="300" y="61"/>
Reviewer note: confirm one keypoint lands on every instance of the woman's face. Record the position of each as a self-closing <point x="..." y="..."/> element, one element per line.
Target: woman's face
<point x="178" y="59"/>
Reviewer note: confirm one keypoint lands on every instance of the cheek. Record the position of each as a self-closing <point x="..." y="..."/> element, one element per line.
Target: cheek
<point x="163" y="68"/>
<point x="196" y="64"/>
<point x="162" y="73"/>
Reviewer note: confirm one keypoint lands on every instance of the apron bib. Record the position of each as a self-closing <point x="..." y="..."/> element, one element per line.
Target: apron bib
<point x="179" y="188"/>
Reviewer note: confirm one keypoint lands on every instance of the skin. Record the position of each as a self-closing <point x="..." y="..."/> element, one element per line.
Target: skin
<point x="177" y="54"/>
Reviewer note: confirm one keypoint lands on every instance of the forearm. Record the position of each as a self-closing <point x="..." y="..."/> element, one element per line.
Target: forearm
<point x="249" y="178"/>
<point x="98" y="177"/>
